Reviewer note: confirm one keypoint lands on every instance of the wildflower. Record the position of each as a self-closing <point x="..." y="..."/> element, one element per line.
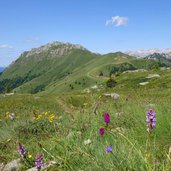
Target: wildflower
<point x="39" y="161"/>
<point x="12" y="116"/>
<point x="29" y="156"/>
<point x="86" y="142"/>
<point x="21" y="150"/>
<point x="108" y="149"/>
<point x="7" y="115"/>
<point x="101" y="131"/>
<point x="106" y="118"/>
<point x="51" y="117"/>
<point x="151" y="119"/>
<point x="39" y="116"/>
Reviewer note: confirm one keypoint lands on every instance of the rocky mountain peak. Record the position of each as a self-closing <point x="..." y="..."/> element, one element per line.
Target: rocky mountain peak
<point x="55" y="49"/>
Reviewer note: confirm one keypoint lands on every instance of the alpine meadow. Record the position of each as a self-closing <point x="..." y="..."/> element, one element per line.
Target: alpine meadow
<point x="54" y="99"/>
<point x="75" y="96"/>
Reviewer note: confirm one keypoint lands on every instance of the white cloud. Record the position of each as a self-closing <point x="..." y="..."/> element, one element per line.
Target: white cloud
<point x="4" y="46"/>
<point x="117" y="21"/>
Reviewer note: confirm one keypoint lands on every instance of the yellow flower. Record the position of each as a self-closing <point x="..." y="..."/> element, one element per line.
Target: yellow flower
<point x="39" y="116"/>
<point x="46" y="113"/>
<point x="51" y="117"/>
<point x="50" y="120"/>
<point x="29" y="156"/>
<point x="7" y="113"/>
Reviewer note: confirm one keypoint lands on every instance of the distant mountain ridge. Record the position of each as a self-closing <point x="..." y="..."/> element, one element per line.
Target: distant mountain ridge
<point x="144" y="53"/>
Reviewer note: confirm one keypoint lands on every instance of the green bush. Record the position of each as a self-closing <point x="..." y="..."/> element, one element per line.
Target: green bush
<point x="111" y="83"/>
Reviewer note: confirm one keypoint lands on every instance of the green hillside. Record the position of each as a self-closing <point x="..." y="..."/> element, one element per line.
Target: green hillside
<point x="57" y="67"/>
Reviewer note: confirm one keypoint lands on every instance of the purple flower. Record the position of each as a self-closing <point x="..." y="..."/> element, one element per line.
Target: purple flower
<point x="39" y="161"/>
<point x="108" y="149"/>
<point x="21" y="150"/>
<point x="106" y="118"/>
<point x="151" y="119"/>
<point x="101" y="131"/>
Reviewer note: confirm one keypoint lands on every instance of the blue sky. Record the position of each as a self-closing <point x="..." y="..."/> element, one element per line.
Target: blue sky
<point x="99" y="25"/>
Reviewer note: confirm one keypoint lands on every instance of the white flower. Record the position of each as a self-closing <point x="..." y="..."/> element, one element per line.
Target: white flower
<point x="12" y="116"/>
<point x="86" y="142"/>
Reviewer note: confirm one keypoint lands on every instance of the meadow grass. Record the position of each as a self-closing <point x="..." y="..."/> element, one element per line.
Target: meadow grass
<point x="61" y="138"/>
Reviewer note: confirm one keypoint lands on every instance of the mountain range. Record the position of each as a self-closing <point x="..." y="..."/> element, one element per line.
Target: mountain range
<point x="64" y="67"/>
<point x="144" y="53"/>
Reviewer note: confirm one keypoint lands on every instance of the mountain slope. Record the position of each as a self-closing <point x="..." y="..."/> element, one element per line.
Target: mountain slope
<point x="40" y="66"/>
<point x="58" y="67"/>
<point x="161" y="58"/>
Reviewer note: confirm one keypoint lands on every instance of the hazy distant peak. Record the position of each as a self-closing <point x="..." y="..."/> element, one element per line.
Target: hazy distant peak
<point x="144" y="53"/>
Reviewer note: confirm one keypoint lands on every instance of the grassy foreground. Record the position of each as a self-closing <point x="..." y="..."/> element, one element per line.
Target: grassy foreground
<point x="58" y="126"/>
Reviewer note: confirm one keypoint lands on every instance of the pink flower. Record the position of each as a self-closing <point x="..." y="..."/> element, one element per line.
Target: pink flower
<point x="101" y="131"/>
<point x="108" y="149"/>
<point x="39" y="161"/>
<point x="151" y="119"/>
<point x="106" y="118"/>
<point x="21" y="150"/>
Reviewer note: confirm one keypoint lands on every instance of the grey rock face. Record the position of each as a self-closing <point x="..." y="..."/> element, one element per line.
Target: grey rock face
<point x="14" y="165"/>
<point x="55" y="48"/>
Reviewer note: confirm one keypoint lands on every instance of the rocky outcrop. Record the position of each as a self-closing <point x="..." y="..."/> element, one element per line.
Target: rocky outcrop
<point x="14" y="165"/>
<point x="114" y="96"/>
<point x="45" y="166"/>
<point x="55" y="48"/>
